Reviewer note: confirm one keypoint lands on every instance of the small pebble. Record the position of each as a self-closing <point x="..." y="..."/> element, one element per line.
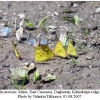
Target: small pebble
<point x="48" y="13"/>
<point x="21" y="16"/>
<point x="60" y="86"/>
<point x="80" y="19"/>
<point x="25" y="64"/>
<point x="64" y="28"/>
<point x="83" y="41"/>
<point x="93" y="41"/>
<point x="31" y="66"/>
<point x="5" y="13"/>
<point x="94" y="19"/>
<point x="75" y="5"/>
<point x="56" y="13"/>
<point x="2" y="23"/>
<point x="28" y="66"/>
<point x="97" y="10"/>
<point x="52" y="27"/>
<point x="14" y="13"/>
<point x="90" y="66"/>
<point x="93" y="33"/>
<point x="89" y="56"/>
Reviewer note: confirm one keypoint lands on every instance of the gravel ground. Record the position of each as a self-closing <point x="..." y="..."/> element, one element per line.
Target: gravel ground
<point x="84" y="74"/>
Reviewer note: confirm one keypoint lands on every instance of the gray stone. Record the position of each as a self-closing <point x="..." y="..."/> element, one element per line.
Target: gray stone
<point x="89" y="56"/>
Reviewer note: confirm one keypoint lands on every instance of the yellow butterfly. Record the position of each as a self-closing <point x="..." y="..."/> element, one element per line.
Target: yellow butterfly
<point x="49" y="52"/>
<point x="60" y="50"/>
<point x="40" y="55"/>
<point x="70" y="49"/>
<point x="43" y="53"/>
<point x="18" y="55"/>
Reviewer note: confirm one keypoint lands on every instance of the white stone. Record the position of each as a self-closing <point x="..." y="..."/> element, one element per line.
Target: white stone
<point x="80" y="19"/>
<point x="56" y="13"/>
<point x="21" y="16"/>
<point x="64" y="28"/>
<point x="14" y="13"/>
<point x="5" y="13"/>
<point x="52" y="27"/>
<point x="89" y="56"/>
<point x="75" y="5"/>
<point x="24" y="64"/>
<point x="97" y="10"/>
<point x="90" y="66"/>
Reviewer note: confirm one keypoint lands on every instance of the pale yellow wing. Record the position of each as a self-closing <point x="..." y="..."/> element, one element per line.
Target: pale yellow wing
<point x="40" y="55"/>
<point x="71" y="50"/>
<point x="60" y="50"/>
<point x="18" y="55"/>
<point x="49" y="52"/>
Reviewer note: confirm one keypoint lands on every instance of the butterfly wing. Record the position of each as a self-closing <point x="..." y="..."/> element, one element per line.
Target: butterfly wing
<point x="19" y="33"/>
<point x="40" y="55"/>
<point x="4" y="31"/>
<point x="42" y="39"/>
<point x="18" y="55"/>
<point x="63" y="39"/>
<point x="59" y="50"/>
<point x="71" y="50"/>
<point x="43" y="42"/>
<point x="49" y="52"/>
<point x="30" y="39"/>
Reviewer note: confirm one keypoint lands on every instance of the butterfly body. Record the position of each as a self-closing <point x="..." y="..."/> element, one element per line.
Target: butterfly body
<point x="60" y="50"/>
